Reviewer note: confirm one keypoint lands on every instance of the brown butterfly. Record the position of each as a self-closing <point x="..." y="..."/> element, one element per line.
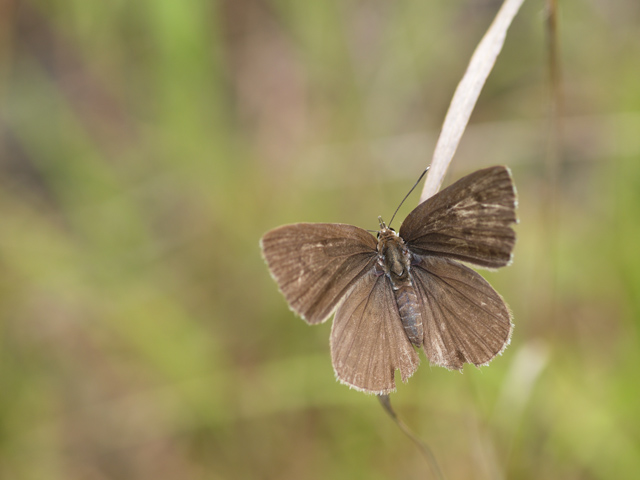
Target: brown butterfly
<point x="405" y="289"/>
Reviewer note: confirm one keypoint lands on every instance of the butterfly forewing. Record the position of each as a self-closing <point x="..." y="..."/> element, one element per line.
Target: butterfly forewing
<point x="368" y="341"/>
<point x="315" y="264"/>
<point x="470" y="220"/>
<point x="464" y="319"/>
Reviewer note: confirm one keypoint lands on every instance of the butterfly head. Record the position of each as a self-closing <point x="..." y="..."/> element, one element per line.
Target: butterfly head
<point x="385" y="232"/>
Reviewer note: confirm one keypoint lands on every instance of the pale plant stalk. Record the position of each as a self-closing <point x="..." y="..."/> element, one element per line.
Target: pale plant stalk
<point x="466" y="95"/>
<point x="464" y="99"/>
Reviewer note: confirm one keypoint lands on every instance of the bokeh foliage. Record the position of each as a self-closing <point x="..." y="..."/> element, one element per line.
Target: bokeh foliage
<point x="146" y="146"/>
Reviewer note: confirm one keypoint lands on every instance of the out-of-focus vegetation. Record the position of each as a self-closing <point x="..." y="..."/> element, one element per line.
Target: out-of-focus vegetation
<point x="146" y="146"/>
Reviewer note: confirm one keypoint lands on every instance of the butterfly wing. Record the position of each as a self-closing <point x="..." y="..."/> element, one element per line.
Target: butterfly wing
<point x="368" y="341"/>
<point x="470" y="220"/>
<point x="315" y="264"/>
<point x="464" y="319"/>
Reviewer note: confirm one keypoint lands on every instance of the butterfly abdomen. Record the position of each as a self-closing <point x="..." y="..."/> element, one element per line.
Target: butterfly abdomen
<point x="407" y="302"/>
<point x="395" y="262"/>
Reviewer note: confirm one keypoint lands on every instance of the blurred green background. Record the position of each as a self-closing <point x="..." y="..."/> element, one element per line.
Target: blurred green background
<point x="146" y="146"/>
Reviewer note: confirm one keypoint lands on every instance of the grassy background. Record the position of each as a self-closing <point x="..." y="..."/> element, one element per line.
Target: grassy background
<point x="146" y="146"/>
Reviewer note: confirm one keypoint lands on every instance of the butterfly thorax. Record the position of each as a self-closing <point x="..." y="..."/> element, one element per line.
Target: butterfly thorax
<point x="393" y="256"/>
<point x="394" y="261"/>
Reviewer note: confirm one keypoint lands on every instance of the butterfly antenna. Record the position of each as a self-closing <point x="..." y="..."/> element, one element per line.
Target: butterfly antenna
<point x="407" y="195"/>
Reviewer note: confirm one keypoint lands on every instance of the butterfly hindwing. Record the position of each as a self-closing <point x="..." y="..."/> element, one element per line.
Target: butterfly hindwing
<point x="368" y="341"/>
<point x="464" y="319"/>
